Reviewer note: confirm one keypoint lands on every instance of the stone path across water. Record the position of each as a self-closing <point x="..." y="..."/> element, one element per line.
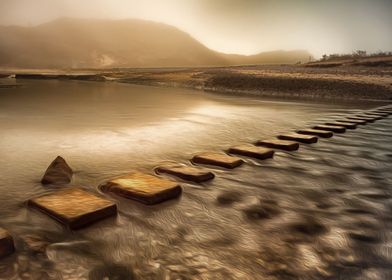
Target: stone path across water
<point x="77" y="208"/>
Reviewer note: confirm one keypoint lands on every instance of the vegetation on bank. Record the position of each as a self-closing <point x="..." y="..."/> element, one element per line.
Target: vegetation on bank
<point x="356" y="58"/>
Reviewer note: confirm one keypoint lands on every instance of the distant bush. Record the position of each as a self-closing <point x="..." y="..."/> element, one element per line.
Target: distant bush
<point x="354" y="55"/>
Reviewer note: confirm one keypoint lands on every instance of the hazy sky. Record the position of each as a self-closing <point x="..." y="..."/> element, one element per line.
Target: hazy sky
<point x="236" y="26"/>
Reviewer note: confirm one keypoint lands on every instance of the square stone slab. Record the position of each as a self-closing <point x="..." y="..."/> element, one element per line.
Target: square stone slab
<point x="317" y="132"/>
<point x="363" y="122"/>
<point x="361" y="119"/>
<point x="388" y="112"/>
<point x="278" y="144"/>
<point x="370" y="117"/>
<point x="187" y="173"/>
<point x="307" y="139"/>
<point x="145" y="188"/>
<point x="218" y="159"/>
<point x="74" y="207"/>
<point x="338" y="129"/>
<point x="6" y="243"/>
<point x="344" y="124"/>
<point x="375" y="114"/>
<point x="252" y="151"/>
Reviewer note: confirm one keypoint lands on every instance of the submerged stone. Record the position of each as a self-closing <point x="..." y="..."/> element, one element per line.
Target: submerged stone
<point x="338" y="129"/>
<point x="348" y="125"/>
<point x="6" y="243"/>
<point x="278" y="144"/>
<point x="307" y="139"/>
<point x="218" y="159"/>
<point x="187" y="173"/>
<point x="145" y="188"/>
<point x="74" y="207"/>
<point x="252" y="151"/>
<point x="58" y="172"/>
<point x="317" y="132"/>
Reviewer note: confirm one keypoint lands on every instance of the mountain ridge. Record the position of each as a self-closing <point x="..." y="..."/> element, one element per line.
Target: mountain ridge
<point x="95" y="43"/>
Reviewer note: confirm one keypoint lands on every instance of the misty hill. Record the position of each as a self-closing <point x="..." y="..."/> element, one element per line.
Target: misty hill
<point x="81" y="43"/>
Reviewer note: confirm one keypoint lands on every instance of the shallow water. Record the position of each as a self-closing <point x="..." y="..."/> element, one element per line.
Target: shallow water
<point x="323" y="212"/>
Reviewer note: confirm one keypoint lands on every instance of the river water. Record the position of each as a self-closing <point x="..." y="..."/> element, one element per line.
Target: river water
<point x="322" y="212"/>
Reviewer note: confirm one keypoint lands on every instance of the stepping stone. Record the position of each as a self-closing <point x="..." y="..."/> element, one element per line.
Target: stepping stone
<point x="252" y="151"/>
<point x="145" y="188"/>
<point x="317" y="132"/>
<point x="218" y="159"/>
<point x="353" y="121"/>
<point x="279" y="144"/>
<point x="6" y="243"/>
<point x="370" y="117"/>
<point x="187" y="173"/>
<point x="58" y="172"/>
<point x="348" y="125"/>
<point x="74" y="207"/>
<point x="307" y="139"/>
<point x="375" y="114"/>
<point x="337" y="129"/>
<point x="387" y="112"/>
<point x="361" y="119"/>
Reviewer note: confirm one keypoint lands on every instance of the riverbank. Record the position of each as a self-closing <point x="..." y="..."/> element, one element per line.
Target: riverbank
<point x="281" y="81"/>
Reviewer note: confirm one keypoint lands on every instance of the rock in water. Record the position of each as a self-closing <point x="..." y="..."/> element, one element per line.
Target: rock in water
<point x="74" y="207"/>
<point x="58" y="172"/>
<point x="187" y="173"/>
<point x="142" y="187"/>
<point x="6" y="243"/>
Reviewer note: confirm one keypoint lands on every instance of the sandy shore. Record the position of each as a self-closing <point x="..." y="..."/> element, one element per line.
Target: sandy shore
<point x="287" y="81"/>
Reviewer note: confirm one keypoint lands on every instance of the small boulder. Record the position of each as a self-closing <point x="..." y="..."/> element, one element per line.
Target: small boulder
<point x="6" y="243"/>
<point x="58" y="172"/>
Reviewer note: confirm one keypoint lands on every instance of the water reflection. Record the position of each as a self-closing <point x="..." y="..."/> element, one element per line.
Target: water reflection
<point x="320" y="213"/>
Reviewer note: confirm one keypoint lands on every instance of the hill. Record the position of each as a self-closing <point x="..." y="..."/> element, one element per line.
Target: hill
<point x="82" y="43"/>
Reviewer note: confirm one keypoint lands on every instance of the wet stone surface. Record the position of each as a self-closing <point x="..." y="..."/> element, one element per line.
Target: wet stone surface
<point x="375" y="118"/>
<point x="376" y="114"/>
<point x="343" y="124"/>
<point x="188" y="173"/>
<point x="316" y="132"/>
<point x="388" y="112"/>
<point x="279" y="144"/>
<point x="252" y="151"/>
<point x="217" y="159"/>
<point x="145" y="188"/>
<point x="333" y="128"/>
<point x="302" y="138"/>
<point x="74" y="207"/>
<point x="355" y="121"/>
<point x="361" y="118"/>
